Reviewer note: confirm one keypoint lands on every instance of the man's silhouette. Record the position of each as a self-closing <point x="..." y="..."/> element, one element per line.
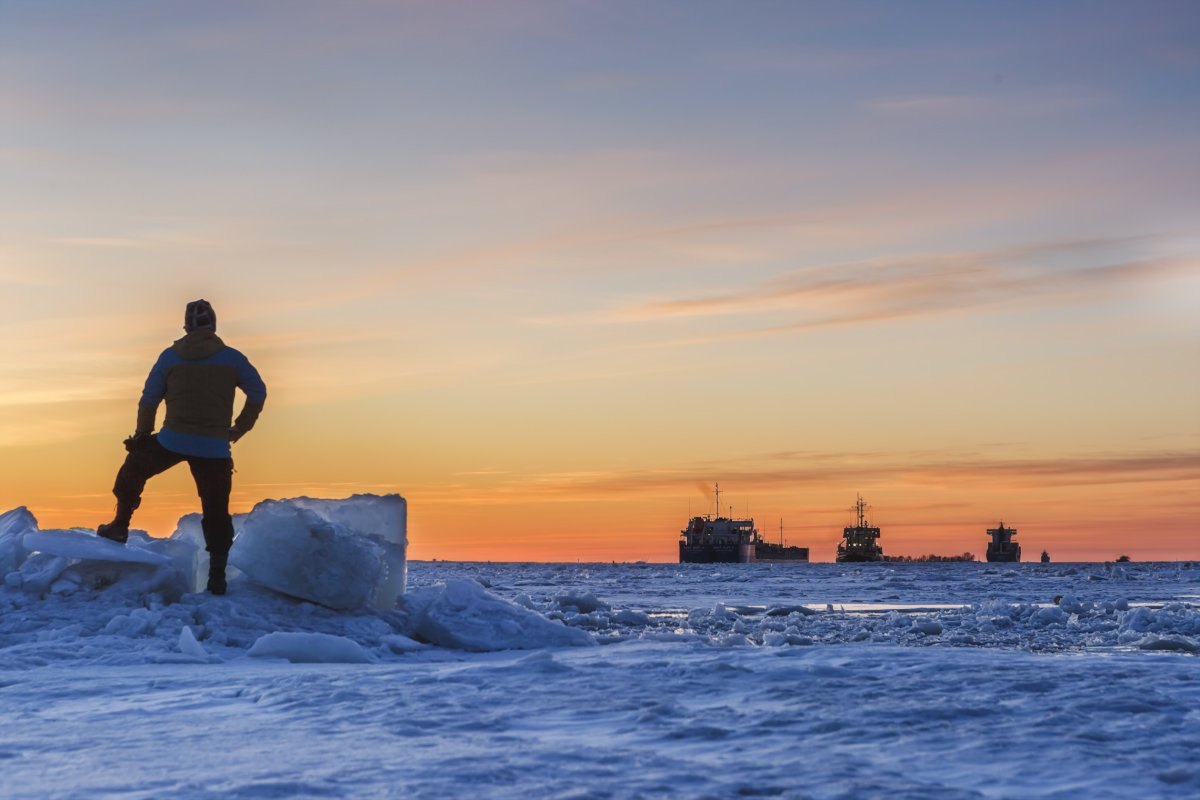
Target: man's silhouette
<point x="197" y="376"/>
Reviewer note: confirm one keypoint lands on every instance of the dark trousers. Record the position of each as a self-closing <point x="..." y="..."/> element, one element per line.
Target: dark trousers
<point x="214" y="480"/>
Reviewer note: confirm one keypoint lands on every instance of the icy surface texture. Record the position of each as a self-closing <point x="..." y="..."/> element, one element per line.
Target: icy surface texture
<point x="973" y="604"/>
<point x="310" y="648"/>
<point x="1055" y="682"/>
<point x="308" y="549"/>
<point x="460" y="614"/>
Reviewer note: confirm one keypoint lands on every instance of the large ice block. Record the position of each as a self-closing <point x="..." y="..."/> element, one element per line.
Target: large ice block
<point x="342" y="554"/>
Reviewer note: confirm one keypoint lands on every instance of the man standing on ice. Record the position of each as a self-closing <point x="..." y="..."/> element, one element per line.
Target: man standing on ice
<point x="197" y="376"/>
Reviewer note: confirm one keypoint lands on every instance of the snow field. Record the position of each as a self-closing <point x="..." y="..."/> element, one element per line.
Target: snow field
<point x="637" y="719"/>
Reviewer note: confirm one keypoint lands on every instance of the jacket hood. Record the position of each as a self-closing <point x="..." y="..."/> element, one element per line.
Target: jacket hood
<point x="198" y="345"/>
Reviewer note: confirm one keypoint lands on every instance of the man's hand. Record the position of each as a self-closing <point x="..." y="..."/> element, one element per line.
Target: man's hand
<point x="235" y="433"/>
<point x="139" y="441"/>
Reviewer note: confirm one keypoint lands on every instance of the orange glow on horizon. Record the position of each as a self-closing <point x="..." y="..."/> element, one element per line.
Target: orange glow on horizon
<point x="600" y="523"/>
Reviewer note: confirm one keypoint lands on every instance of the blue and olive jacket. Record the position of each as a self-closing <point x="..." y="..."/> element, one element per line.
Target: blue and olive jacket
<point x="198" y="376"/>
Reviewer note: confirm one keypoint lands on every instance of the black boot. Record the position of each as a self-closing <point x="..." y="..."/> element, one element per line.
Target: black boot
<point x="216" y="572"/>
<point x="118" y="529"/>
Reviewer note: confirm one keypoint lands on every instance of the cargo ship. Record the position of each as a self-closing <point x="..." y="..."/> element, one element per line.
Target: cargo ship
<point x="859" y="542"/>
<point x="1002" y="548"/>
<point x="725" y="540"/>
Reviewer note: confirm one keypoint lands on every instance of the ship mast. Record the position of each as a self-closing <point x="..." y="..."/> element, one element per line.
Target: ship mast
<point x="717" y="492"/>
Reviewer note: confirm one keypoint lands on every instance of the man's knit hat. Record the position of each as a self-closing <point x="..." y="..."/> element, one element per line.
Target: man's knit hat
<point x="199" y="314"/>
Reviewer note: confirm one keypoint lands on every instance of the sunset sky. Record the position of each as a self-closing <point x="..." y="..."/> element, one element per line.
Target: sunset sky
<point x="550" y="270"/>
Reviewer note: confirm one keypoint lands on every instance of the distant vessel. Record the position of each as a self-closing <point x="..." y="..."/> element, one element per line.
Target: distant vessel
<point x="725" y="540"/>
<point x="859" y="542"/>
<point x="769" y="551"/>
<point x="1002" y="547"/>
<point x="1045" y="557"/>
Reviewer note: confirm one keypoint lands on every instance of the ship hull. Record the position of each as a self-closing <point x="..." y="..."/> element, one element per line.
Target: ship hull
<point x="1003" y="556"/>
<point x="857" y="558"/>
<point x="766" y="553"/>
<point x="714" y="554"/>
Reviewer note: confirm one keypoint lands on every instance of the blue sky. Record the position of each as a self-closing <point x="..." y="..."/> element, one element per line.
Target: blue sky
<point x="528" y="240"/>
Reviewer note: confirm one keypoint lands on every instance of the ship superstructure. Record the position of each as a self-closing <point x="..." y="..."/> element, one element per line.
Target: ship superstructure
<point x="860" y="542"/>
<point x="1002" y="547"/>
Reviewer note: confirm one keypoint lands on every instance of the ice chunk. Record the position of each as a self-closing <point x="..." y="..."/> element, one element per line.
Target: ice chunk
<point x="139" y="622"/>
<point x="1071" y="605"/>
<point x="383" y="518"/>
<point x="189" y="646"/>
<point x="185" y="558"/>
<point x="402" y="644"/>
<point x="288" y="546"/>
<point x="1180" y="643"/>
<point x="462" y="615"/>
<point x="68" y="584"/>
<point x="17" y="521"/>
<point x="97" y="563"/>
<point x="188" y="533"/>
<point x="39" y="571"/>
<point x="186" y="547"/>
<point x="631" y="617"/>
<point x="584" y="603"/>
<point x="87" y="545"/>
<point x="310" y="648"/>
<point x="13" y="527"/>
<point x="189" y="529"/>
<point x="1050" y="615"/>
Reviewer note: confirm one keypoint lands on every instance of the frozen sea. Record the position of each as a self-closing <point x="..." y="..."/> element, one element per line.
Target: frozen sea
<point x="494" y="680"/>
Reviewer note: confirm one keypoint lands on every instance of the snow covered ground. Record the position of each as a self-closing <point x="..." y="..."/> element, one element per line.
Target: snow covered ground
<point x="601" y="681"/>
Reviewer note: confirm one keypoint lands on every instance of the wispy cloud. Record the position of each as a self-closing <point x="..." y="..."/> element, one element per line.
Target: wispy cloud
<point x="892" y="288"/>
<point x="822" y="61"/>
<point x="1050" y="100"/>
<point x="759" y="474"/>
<point x="102" y="241"/>
<point x="915" y="467"/>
